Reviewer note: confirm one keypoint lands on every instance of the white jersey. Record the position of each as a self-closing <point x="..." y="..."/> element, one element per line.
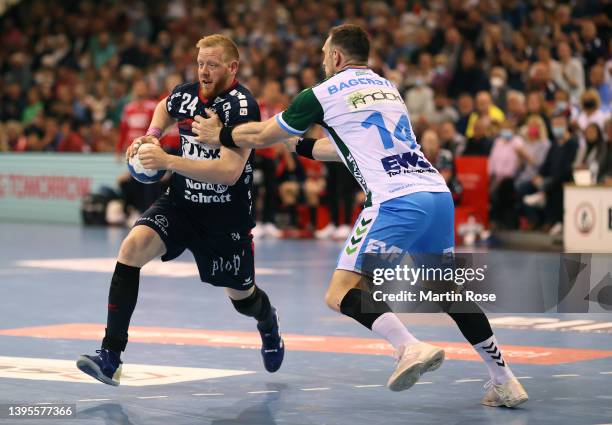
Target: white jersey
<point x="365" y="117"/>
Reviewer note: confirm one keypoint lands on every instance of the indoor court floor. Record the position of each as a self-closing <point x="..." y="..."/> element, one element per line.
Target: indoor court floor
<point x="193" y="360"/>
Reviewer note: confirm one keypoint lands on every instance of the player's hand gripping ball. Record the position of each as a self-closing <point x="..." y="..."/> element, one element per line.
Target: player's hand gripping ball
<point x="144" y="175"/>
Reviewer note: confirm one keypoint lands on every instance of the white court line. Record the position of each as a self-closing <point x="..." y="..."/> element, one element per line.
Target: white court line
<point x="315" y="389"/>
<point x="469" y="380"/>
<point x="605" y="373"/>
<point x="568" y="375"/>
<point x="208" y="394"/>
<point x="423" y="382"/>
<point x="524" y="377"/>
<point x="152" y="396"/>
<point x="95" y="399"/>
<point x="367" y="386"/>
<point x="262" y="392"/>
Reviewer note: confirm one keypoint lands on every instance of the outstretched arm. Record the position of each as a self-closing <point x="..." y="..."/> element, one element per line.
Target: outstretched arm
<point x="323" y="149"/>
<point x="250" y="135"/>
<point x="304" y="111"/>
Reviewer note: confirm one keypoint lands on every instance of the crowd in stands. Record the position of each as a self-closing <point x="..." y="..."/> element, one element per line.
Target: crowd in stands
<point x="526" y="83"/>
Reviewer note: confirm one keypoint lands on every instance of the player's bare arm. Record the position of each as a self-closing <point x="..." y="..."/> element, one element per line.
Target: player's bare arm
<point x="323" y="149"/>
<point x="252" y="135"/>
<point x="226" y="170"/>
<point x="161" y="121"/>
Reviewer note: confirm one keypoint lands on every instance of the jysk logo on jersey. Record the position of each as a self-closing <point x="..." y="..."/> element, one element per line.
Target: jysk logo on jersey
<point x="406" y="163"/>
<point x="364" y="98"/>
<point x="194" y="150"/>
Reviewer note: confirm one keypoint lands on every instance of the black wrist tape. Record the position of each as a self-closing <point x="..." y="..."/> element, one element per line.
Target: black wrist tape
<point x="305" y="146"/>
<point x="225" y="137"/>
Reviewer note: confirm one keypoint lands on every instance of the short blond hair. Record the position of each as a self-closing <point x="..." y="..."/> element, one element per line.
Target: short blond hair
<point x="230" y="50"/>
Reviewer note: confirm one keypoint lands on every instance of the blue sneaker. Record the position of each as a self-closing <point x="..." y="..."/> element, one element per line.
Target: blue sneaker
<point x="272" y="346"/>
<point x="105" y="367"/>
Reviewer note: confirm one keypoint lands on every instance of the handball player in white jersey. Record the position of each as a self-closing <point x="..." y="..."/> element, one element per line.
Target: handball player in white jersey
<point x="408" y="205"/>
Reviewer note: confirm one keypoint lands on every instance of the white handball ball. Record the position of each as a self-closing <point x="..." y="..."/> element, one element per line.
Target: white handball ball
<point x="144" y="175"/>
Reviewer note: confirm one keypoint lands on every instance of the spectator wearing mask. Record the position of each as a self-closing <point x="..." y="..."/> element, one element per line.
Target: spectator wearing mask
<point x="536" y="105"/>
<point x="535" y="147"/>
<point x="545" y="206"/>
<point x="563" y="106"/>
<point x="419" y="99"/>
<point x="503" y="167"/>
<point x="484" y="108"/>
<point x="499" y="91"/>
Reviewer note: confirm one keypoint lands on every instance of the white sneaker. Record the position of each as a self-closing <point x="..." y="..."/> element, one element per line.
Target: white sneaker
<point x="509" y="394"/>
<point x="326" y="232"/>
<point x="413" y="361"/>
<point x="342" y="232"/>
<point x="271" y="230"/>
<point x="537" y="199"/>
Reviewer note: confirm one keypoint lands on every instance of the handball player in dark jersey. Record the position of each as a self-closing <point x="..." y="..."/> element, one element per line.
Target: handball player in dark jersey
<point x="207" y="209"/>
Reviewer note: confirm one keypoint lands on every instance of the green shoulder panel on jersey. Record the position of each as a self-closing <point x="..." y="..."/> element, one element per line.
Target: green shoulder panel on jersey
<point x="350" y="162"/>
<point x="304" y="111"/>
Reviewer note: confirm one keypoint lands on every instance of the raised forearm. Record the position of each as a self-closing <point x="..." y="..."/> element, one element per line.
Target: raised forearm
<point x="161" y="119"/>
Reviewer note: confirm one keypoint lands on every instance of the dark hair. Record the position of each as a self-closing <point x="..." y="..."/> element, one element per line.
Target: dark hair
<point x="352" y="40"/>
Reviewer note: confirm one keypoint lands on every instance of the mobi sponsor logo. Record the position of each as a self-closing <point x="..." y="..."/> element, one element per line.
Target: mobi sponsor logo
<point x="68" y="188"/>
<point x="364" y="98"/>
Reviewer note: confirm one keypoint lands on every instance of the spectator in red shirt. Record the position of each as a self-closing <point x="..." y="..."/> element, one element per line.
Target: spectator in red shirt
<point x="136" y="116"/>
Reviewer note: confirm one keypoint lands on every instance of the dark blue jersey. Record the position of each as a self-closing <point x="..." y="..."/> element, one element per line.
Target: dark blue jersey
<point x="217" y="207"/>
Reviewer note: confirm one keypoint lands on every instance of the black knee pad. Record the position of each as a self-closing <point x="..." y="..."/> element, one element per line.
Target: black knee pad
<point x="256" y="305"/>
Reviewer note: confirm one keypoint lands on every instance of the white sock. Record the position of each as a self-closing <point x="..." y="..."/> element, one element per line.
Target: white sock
<point x="390" y="327"/>
<point x="491" y="354"/>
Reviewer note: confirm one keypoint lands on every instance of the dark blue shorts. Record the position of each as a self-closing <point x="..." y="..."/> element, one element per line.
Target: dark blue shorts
<point x="224" y="258"/>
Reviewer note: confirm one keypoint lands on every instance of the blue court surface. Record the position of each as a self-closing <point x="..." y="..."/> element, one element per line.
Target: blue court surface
<point x="193" y="360"/>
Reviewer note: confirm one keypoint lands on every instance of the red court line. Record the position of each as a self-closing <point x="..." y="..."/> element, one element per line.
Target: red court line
<point x="296" y="342"/>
